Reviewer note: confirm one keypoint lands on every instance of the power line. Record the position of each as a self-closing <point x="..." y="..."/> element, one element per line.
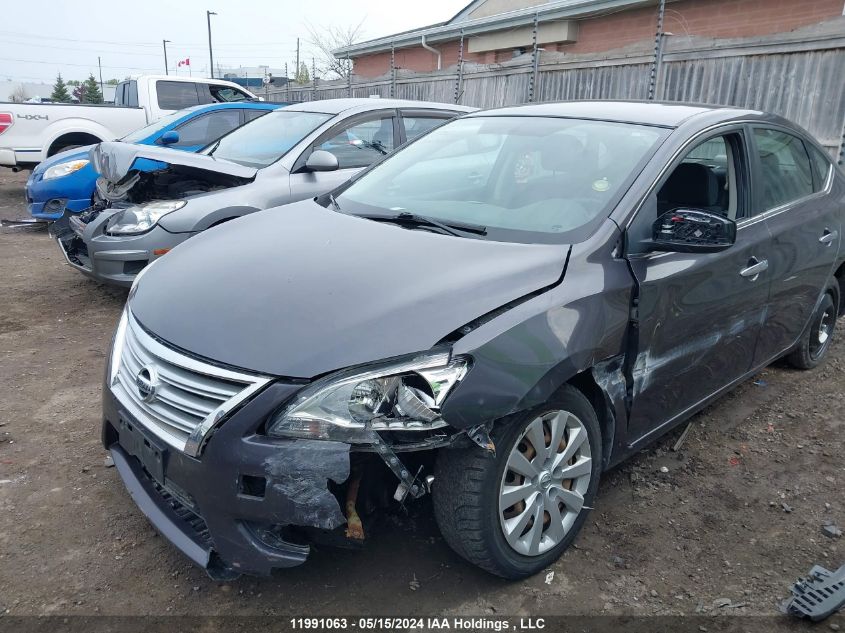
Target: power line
<point x="30" y="61"/>
<point x="33" y="36"/>
<point x="39" y="36"/>
<point x="174" y="46"/>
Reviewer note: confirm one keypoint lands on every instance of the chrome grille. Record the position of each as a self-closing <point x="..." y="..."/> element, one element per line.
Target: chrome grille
<point x="177" y="398"/>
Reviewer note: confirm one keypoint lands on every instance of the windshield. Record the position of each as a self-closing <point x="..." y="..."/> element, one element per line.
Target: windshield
<point x="265" y="140"/>
<point x="528" y="179"/>
<point x="148" y="130"/>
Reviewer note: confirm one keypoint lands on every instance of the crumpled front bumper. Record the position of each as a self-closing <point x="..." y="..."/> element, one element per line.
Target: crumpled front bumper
<point x="55" y="208"/>
<point x="50" y="199"/>
<point x="222" y="510"/>
<point x="111" y="259"/>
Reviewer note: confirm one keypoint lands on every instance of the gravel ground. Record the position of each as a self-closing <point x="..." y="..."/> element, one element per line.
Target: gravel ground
<point x="722" y="527"/>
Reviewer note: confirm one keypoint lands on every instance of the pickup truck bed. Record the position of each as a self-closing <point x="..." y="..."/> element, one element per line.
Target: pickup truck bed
<point x="43" y="129"/>
<point x="31" y="132"/>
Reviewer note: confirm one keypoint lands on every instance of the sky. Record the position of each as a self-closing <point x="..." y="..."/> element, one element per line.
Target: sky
<point x="40" y="38"/>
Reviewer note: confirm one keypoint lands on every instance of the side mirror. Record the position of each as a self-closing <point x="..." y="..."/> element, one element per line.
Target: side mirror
<point x="169" y="138"/>
<point x="693" y="231"/>
<point x="321" y="160"/>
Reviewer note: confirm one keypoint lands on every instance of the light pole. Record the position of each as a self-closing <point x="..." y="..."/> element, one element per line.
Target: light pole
<point x="208" y="15"/>
<point x="164" y="45"/>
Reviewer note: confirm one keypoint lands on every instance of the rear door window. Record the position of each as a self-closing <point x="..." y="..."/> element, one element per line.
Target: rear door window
<point x="224" y="94"/>
<point x="119" y="92"/>
<point x="207" y="128"/>
<point x="131" y="94"/>
<point x="175" y="95"/>
<point x="786" y="175"/>
<point x="251" y="115"/>
<point x="418" y="125"/>
<point x="362" y="143"/>
<point x="821" y="168"/>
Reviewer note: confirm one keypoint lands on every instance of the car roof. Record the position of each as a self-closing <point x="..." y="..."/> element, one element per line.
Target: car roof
<point x="228" y="105"/>
<point x="656" y="113"/>
<point x="337" y="106"/>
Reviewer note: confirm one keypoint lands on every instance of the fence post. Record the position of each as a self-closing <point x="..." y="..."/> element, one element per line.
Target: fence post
<point x="314" y="79"/>
<point x="460" y="75"/>
<point x="287" y="83"/>
<point x="841" y="160"/>
<point x="658" y="52"/>
<point x="535" y="61"/>
<point x="392" y="70"/>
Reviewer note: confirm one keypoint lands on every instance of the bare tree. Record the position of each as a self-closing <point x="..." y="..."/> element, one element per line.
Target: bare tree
<point x="19" y="94"/>
<point x="327" y="39"/>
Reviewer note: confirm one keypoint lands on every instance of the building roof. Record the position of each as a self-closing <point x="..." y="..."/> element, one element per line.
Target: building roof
<point x="463" y="23"/>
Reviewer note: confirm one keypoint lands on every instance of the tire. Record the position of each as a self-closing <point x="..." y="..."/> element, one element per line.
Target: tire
<point x="815" y="342"/>
<point x="469" y="484"/>
<point x="65" y="148"/>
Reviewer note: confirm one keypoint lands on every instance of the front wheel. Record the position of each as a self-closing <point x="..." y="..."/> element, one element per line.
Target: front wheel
<point x="513" y="514"/>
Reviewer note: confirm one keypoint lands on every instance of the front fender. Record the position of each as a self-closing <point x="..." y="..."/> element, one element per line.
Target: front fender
<point x="191" y="219"/>
<point x="522" y="357"/>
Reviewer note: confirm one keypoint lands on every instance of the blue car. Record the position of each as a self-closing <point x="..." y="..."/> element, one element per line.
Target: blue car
<point x="66" y="181"/>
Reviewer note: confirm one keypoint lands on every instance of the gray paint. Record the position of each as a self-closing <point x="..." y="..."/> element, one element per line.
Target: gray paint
<point x="300" y="290"/>
<point x="305" y="255"/>
<point x="420" y="287"/>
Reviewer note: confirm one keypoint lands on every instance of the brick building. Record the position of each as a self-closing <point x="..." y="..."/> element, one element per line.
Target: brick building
<point x="499" y="30"/>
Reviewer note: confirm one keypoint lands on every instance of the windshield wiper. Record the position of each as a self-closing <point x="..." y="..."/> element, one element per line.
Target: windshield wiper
<point x="414" y="219"/>
<point x="334" y="202"/>
<point x="214" y="148"/>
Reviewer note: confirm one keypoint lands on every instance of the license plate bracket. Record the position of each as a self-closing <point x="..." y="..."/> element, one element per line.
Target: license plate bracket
<point x="149" y="452"/>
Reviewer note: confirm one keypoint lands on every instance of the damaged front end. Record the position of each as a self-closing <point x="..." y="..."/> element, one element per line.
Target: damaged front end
<point x="139" y="174"/>
<point x="270" y="482"/>
<point x="381" y="413"/>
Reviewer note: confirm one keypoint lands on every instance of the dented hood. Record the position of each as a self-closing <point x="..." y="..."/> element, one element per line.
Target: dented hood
<point x="301" y="290"/>
<point x="114" y="161"/>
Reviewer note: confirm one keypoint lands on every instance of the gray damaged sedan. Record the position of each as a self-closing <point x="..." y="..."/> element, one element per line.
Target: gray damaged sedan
<point x="152" y="199"/>
<point x="495" y="315"/>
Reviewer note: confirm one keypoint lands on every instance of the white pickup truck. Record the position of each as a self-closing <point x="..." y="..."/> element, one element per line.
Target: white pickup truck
<point x="31" y="132"/>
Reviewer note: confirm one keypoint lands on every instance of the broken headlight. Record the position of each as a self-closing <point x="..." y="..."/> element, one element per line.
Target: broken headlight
<point x="349" y="405"/>
<point x="65" y="168"/>
<point x="141" y="218"/>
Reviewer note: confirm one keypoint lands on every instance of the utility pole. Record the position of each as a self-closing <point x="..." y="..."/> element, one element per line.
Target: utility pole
<point x="314" y="77"/>
<point x="208" y="15"/>
<point x="101" y="76"/>
<point x="296" y="70"/>
<point x="164" y="45"/>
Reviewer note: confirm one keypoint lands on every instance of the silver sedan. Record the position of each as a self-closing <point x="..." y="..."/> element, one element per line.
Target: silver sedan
<point x="154" y="198"/>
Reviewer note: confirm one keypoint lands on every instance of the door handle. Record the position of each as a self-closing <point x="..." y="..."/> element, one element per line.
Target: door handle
<point x="755" y="267"/>
<point x="828" y="237"/>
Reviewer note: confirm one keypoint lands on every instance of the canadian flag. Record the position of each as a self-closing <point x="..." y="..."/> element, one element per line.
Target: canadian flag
<point x="184" y="62"/>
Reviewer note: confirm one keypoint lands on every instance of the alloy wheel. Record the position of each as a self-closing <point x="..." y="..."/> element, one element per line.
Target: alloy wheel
<point x="546" y="476"/>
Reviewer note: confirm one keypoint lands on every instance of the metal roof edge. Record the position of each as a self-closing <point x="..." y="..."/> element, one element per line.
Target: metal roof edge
<point x="519" y="17"/>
